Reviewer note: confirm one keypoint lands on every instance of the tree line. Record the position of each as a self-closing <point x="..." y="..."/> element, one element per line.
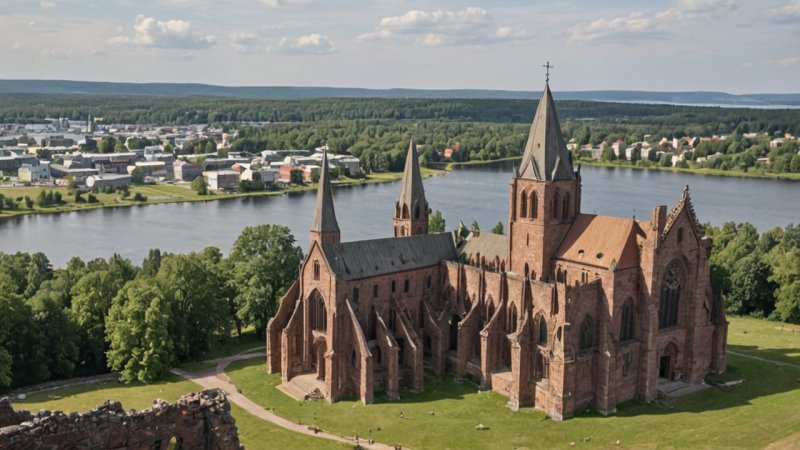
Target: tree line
<point x="674" y="119"/>
<point x="109" y="314"/>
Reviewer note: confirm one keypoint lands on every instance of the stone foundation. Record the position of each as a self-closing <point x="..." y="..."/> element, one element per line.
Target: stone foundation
<point x="196" y="421"/>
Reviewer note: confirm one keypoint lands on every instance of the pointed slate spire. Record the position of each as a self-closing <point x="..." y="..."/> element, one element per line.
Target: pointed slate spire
<point x="324" y="220"/>
<point x="412" y="193"/>
<point x="546" y="157"/>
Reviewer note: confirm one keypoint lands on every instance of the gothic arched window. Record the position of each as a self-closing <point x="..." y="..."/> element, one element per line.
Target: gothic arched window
<point x="523" y="205"/>
<point x="318" y="313"/>
<point x="565" y="208"/>
<point x="670" y="296"/>
<point x="316" y="269"/>
<point x="540" y="371"/>
<point x="511" y="326"/>
<point x="416" y="212"/>
<point x="626" y="328"/>
<point x="586" y="338"/>
<point x="534" y="205"/>
<point x="542" y="331"/>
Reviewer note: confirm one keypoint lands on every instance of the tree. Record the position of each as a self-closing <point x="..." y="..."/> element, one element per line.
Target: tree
<point x="296" y="176"/>
<point x="265" y="263"/>
<point x="140" y="347"/>
<point x="474" y="226"/>
<point x="92" y="296"/>
<point x="137" y="176"/>
<point x="58" y="333"/>
<point x="436" y="223"/>
<point x="190" y="287"/>
<point x="200" y="186"/>
<point x="498" y="229"/>
<point x="71" y="182"/>
<point x="786" y="273"/>
<point x="151" y="263"/>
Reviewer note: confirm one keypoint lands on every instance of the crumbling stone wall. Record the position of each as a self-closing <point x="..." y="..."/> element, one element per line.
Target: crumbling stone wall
<point x="196" y="421"/>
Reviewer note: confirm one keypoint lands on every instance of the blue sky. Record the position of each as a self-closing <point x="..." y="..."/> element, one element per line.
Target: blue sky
<point x="738" y="46"/>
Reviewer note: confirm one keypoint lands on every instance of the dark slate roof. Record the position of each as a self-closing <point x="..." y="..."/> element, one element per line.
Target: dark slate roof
<point x="362" y="259"/>
<point x="324" y="216"/>
<point x="486" y="244"/>
<point x="412" y="193"/>
<point x="546" y="157"/>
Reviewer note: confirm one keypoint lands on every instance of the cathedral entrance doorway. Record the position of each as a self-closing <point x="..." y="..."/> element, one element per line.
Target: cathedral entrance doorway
<point x="666" y="362"/>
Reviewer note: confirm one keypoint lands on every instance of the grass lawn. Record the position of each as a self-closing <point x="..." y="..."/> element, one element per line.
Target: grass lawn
<point x="765" y="339"/>
<point x="765" y="409"/>
<point x="253" y="432"/>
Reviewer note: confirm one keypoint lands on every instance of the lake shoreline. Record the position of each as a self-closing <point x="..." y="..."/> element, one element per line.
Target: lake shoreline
<point x="152" y="192"/>
<point x="705" y="172"/>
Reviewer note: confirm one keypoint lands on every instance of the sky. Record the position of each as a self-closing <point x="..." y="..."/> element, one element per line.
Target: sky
<point x="736" y="46"/>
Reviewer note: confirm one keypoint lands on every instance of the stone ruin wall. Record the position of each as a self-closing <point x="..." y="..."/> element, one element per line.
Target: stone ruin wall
<point x="197" y="421"/>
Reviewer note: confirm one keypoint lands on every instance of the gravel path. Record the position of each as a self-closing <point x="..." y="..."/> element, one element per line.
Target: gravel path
<point x="218" y="379"/>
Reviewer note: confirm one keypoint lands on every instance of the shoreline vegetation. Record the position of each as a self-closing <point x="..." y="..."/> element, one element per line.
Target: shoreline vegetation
<point x="169" y="193"/>
<point x="787" y="176"/>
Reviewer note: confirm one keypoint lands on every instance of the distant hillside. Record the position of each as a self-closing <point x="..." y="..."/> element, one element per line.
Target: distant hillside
<point x="296" y="93"/>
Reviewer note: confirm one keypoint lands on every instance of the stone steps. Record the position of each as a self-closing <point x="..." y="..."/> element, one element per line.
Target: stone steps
<point x="302" y="385"/>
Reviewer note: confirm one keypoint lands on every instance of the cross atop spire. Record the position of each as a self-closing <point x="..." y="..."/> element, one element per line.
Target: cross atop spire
<point x="547" y="72"/>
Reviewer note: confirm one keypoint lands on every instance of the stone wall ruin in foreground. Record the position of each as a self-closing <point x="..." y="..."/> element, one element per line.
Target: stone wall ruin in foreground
<point x="196" y="421"/>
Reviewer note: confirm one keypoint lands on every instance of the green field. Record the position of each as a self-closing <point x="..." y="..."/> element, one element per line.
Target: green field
<point x="166" y="193"/>
<point x="761" y="412"/>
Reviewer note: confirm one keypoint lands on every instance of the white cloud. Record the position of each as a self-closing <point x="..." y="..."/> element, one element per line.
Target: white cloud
<point x="243" y="42"/>
<point x="47" y="4"/>
<point x="434" y="28"/>
<point x="55" y="53"/>
<point x="785" y="62"/>
<point x="311" y="44"/>
<point x="747" y="65"/>
<point x="175" y="33"/>
<point x="280" y="3"/>
<point x="702" y="6"/>
<point x="17" y="45"/>
<point x="643" y="25"/>
<point x="789" y="13"/>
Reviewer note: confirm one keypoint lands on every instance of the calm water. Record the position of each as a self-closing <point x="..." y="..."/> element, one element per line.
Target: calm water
<point x="364" y="212"/>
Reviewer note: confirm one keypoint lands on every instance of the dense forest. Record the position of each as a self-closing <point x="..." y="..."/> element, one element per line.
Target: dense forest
<point x="100" y="315"/>
<point x="653" y="119"/>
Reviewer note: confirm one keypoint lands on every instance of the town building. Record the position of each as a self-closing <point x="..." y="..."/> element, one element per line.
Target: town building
<point x="220" y="180"/>
<point x="32" y="173"/>
<point x="113" y="180"/>
<point x="567" y="312"/>
<point x="186" y="171"/>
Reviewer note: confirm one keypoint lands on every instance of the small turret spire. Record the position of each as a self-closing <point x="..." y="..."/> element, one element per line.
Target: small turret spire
<point x="411" y="209"/>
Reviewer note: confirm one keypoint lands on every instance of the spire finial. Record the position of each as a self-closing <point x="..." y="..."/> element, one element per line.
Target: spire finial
<point x="547" y="72"/>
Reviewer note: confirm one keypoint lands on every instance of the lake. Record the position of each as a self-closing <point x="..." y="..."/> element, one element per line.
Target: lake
<point x="364" y="212"/>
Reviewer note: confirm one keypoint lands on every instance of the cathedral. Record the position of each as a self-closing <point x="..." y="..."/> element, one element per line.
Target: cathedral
<point x="568" y="311"/>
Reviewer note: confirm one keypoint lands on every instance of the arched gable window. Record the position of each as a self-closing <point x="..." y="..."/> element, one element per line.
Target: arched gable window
<point x="316" y="270"/>
<point x="511" y="326"/>
<point x="565" y="208"/>
<point x="319" y="315"/>
<point x="534" y="205"/>
<point x="626" y="327"/>
<point x="405" y="212"/>
<point x="680" y="235"/>
<point x="490" y="309"/>
<point x="670" y="296"/>
<point x="397" y="209"/>
<point x="416" y="212"/>
<point x="542" y="331"/>
<point x="586" y="338"/>
<point x="523" y="205"/>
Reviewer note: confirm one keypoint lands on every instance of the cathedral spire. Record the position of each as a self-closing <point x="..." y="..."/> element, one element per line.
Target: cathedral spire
<point x="546" y="157"/>
<point x="411" y="209"/>
<point x="324" y="226"/>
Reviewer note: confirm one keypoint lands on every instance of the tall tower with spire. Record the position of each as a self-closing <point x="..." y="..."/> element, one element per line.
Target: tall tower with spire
<point x="544" y="194"/>
<point x="324" y="227"/>
<point x="411" y="209"/>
